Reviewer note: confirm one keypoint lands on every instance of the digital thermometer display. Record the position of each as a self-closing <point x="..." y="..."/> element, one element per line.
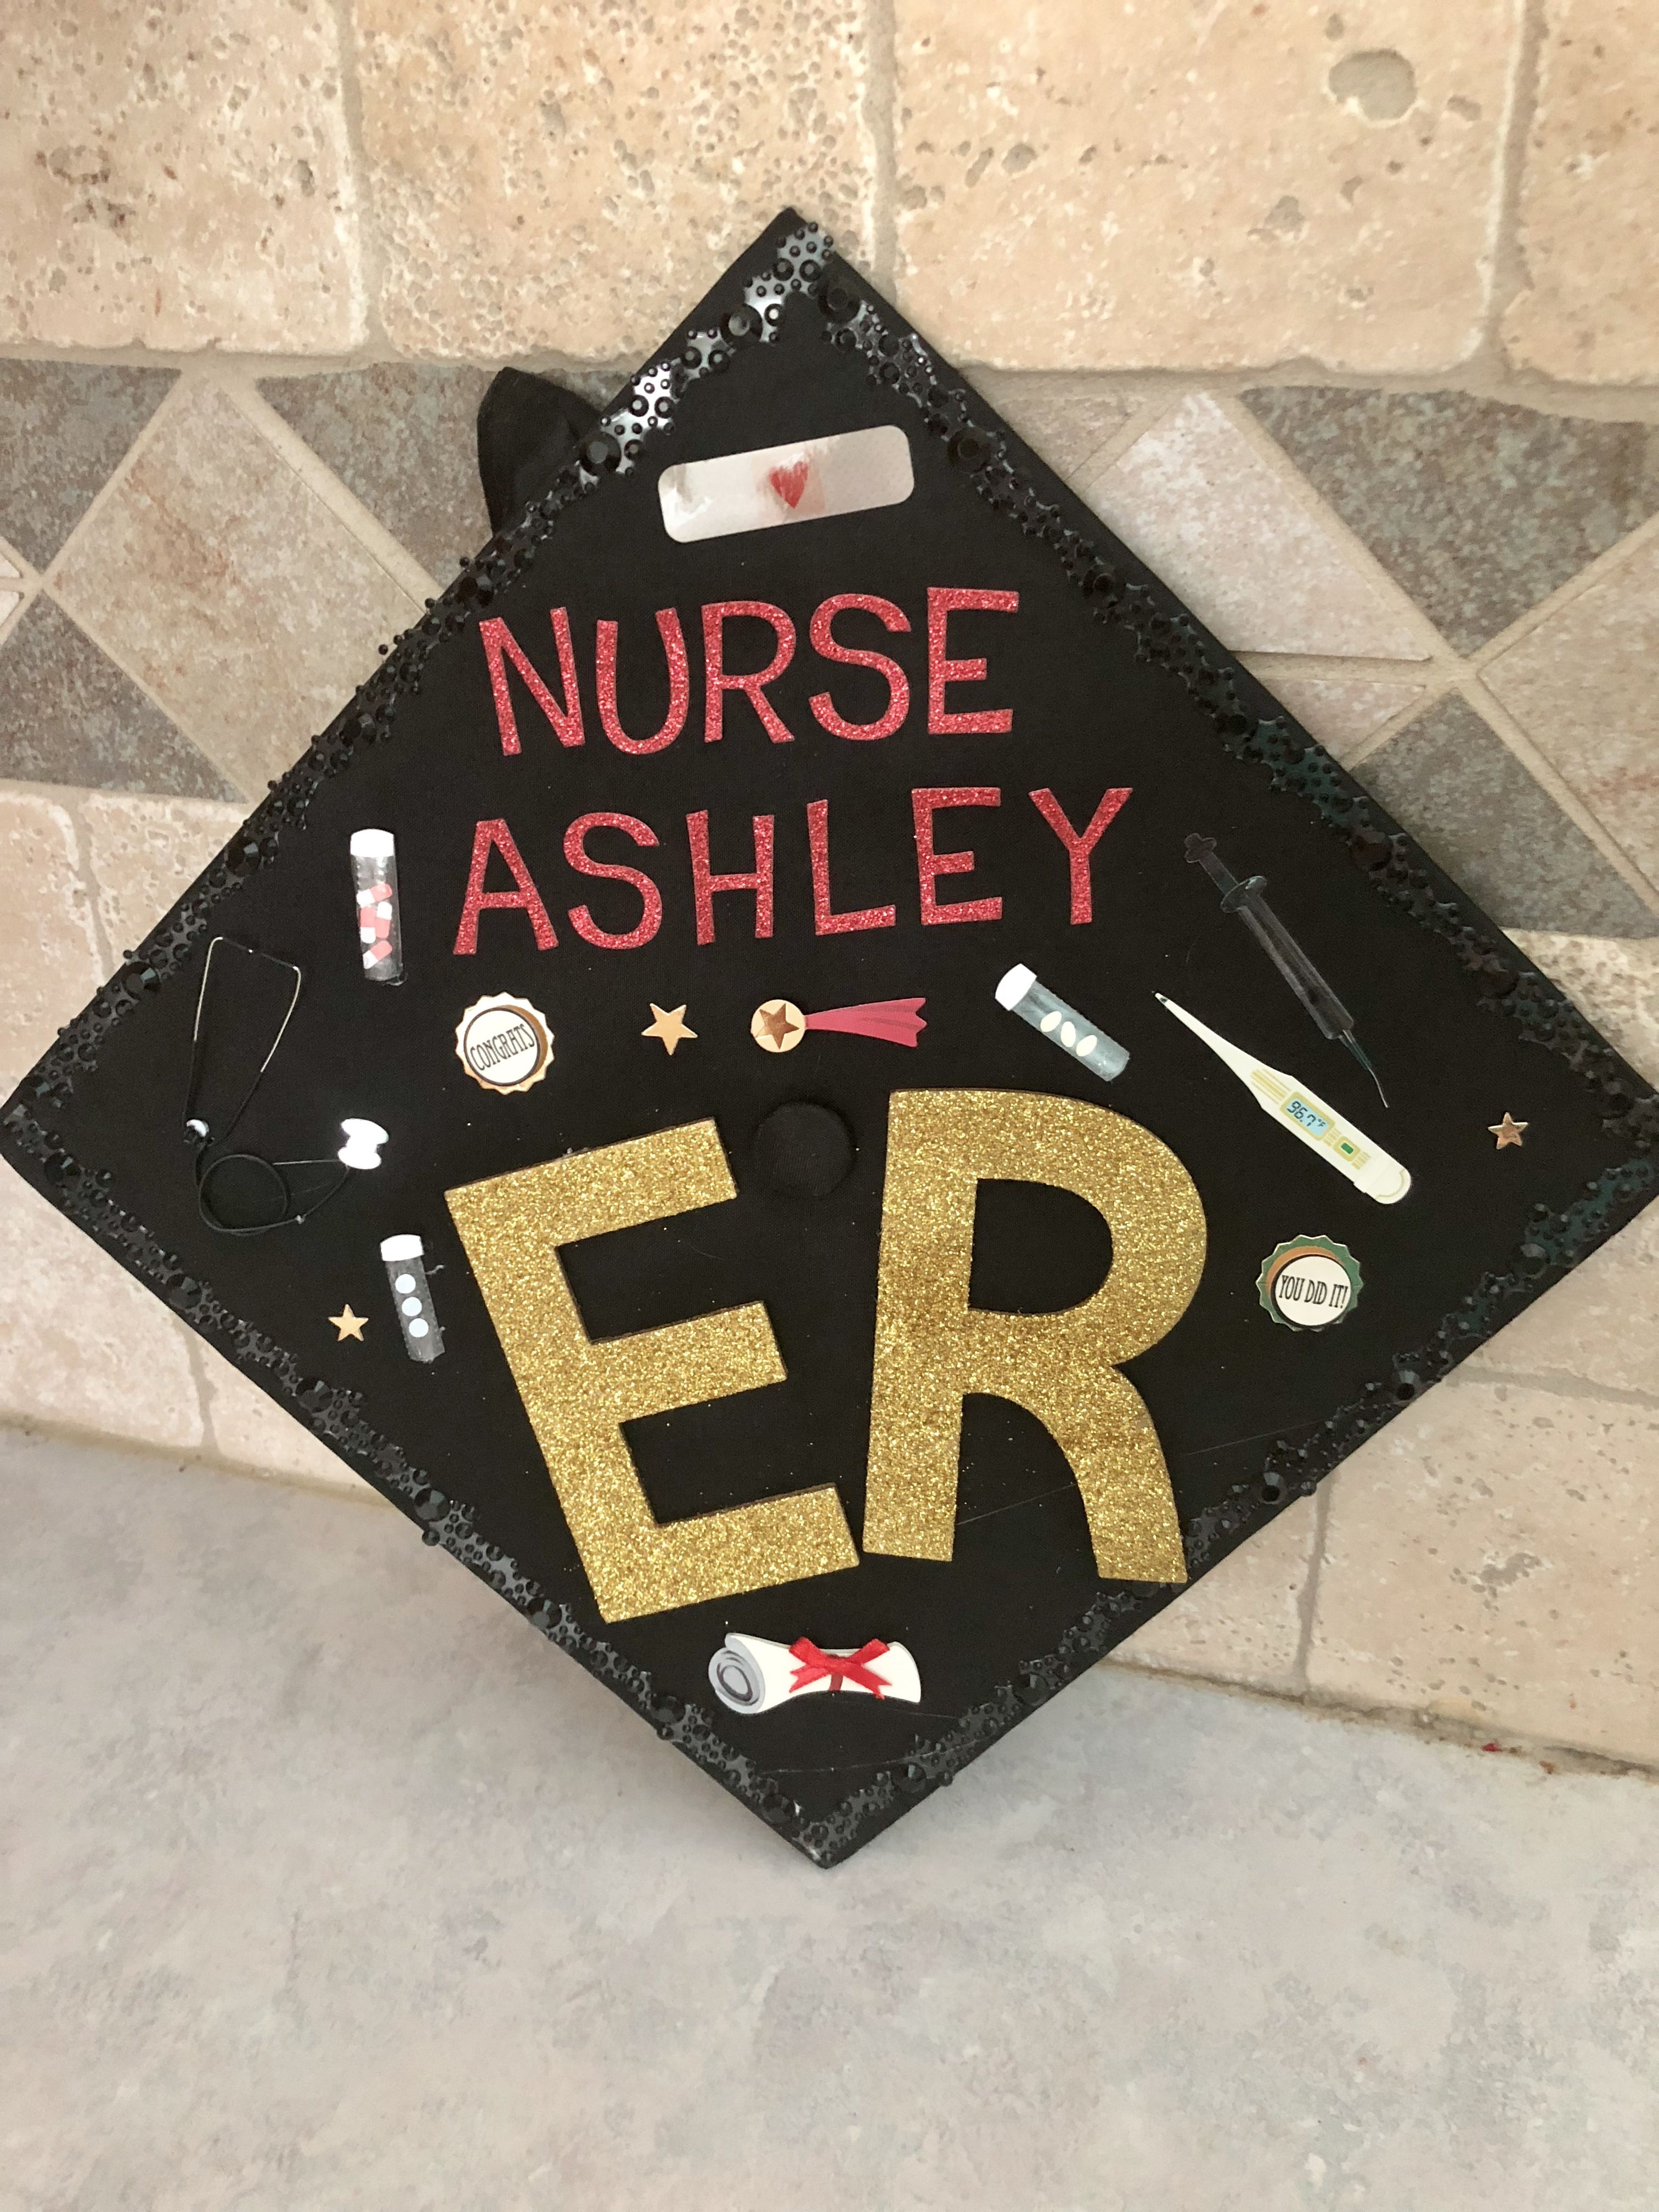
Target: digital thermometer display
<point x="1366" y="1165"/>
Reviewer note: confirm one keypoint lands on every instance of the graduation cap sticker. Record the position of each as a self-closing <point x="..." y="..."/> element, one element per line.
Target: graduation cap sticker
<point x="836" y="1405"/>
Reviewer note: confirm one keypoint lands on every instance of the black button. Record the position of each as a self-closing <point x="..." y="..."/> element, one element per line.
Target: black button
<point x="803" y="1151"/>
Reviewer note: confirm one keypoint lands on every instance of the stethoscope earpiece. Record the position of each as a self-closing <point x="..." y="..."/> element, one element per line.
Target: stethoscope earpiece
<point x="360" y="1152"/>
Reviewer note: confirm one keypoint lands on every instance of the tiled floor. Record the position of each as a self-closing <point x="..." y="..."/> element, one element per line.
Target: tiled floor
<point x="332" y="1885"/>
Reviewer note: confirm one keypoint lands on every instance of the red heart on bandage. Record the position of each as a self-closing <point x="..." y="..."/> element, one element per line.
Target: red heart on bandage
<point x="789" y="484"/>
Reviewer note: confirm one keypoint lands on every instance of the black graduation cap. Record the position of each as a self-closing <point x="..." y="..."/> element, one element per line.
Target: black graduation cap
<point x="873" y="1028"/>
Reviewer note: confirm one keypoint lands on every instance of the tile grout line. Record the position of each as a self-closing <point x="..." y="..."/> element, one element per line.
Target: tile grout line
<point x="1423" y="1721"/>
<point x="70" y="798"/>
<point x="314" y="473"/>
<point x="185" y="378"/>
<point x="1458" y="671"/>
<point x="29" y="588"/>
<point x="1510" y="276"/>
<point x="370" y="269"/>
<point x="89" y="628"/>
<point x="195" y="1358"/>
<point x="1308" y="1598"/>
<point x="1555" y="1383"/>
<point x="1595" y="571"/>
<point x="1362" y="667"/>
<point x="1361" y="559"/>
<point x="1555" y="786"/>
<point x="1145" y="414"/>
<point x="879" y="105"/>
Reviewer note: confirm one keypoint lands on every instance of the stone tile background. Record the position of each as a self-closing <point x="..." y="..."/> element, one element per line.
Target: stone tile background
<point x="1343" y="315"/>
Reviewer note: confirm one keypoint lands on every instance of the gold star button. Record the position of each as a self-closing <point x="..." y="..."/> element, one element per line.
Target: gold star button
<point x="778" y="1026"/>
<point x="349" y="1324"/>
<point x="669" y="1027"/>
<point x="1507" y="1131"/>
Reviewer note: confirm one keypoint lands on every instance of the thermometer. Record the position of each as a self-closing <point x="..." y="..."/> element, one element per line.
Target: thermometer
<point x="1367" y="1167"/>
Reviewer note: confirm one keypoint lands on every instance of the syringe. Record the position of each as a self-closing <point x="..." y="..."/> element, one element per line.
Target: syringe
<point x="1246" y="901"/>
<point x="1305" y="1114"/>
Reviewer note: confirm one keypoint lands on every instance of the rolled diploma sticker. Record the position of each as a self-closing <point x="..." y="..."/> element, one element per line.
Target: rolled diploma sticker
<point x="751" y="1674"/>
<point x="422" y="1338"/>
<point x="1021" y="993"/>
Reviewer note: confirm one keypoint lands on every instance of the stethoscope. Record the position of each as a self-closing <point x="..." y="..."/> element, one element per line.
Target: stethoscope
<point x="360" y="1149"/>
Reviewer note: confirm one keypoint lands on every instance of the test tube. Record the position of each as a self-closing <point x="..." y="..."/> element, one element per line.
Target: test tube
<point x="379" y="926"/>
<point x="1020" y="992"/>
<point x="422" y="1338"/>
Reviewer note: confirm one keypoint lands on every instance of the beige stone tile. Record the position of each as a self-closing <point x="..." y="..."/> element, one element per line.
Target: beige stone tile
<point x="1581" y="686"/>
<point x="1600" y="1326"/>
<point x="247" y="1429"/>
<point x="1490" y="1556"/>
<point x="1252" y="558"/>
<point x="553" y="177"/>
<point x="52" y="963"/>
<point x="1099" y="184"/>
<point x="144" y="853"/>
<point x="176" y="174"/>
<point x="1586" y="198"/>
<point x="219" y="579"/>
<point x="85" y="1347"/>
<point x="1064" y="419"/>
<point x="1243" y="1622"/>
<point x="1342" y="711"/>
<point x="1613" y="979"/>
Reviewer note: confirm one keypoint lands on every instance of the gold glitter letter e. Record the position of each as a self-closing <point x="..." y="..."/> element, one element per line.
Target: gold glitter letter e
<point x="932" y="1347"/>
<point x="578" y="1393"/>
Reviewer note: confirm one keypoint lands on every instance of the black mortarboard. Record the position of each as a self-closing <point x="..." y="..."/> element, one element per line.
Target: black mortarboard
<point x="872" y="1027"/>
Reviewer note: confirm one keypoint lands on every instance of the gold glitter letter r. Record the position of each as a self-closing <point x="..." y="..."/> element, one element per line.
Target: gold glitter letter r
<point x="577" y="1393"/>
<point x="932" y="1347"/>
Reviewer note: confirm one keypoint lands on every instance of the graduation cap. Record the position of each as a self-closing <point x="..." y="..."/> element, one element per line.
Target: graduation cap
<point x="816" y="1082"/>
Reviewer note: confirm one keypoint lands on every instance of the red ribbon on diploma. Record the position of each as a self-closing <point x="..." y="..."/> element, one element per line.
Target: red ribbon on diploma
<point x="840" y="1667"/>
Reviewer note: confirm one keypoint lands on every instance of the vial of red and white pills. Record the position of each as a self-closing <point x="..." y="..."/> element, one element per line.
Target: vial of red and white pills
<point x="374" y="879"/>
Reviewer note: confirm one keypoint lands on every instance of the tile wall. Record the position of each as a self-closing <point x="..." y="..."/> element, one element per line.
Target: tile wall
<point x="1343" y="317"/>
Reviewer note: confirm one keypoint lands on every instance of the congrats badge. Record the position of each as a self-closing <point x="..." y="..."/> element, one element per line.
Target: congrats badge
<point x="503" y="1042"/>
<point x="1309" y="1283"/>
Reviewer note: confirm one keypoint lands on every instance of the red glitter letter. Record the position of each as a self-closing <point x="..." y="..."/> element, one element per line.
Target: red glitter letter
<point x="575" y="851"/>
<point x="717" y="683"/>
<point x="930" y="864"/>
<point x="826" y="923"/>
<point x="679" y="684"/>
<point x="898" y="688"/>
<point x="495" y="837"/>
<point x="1080" y="843"/>
<point x="941" y="603"/>
<point x="704" y="886"/>
<point x="500" y="646"/>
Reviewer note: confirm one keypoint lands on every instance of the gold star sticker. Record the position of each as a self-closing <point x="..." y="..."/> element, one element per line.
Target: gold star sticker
<point x="669" y="1027"/>
<point x="1507" y="1131"/>
<point x="778" y="1026"/>
<point x="349" y="1324"/>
